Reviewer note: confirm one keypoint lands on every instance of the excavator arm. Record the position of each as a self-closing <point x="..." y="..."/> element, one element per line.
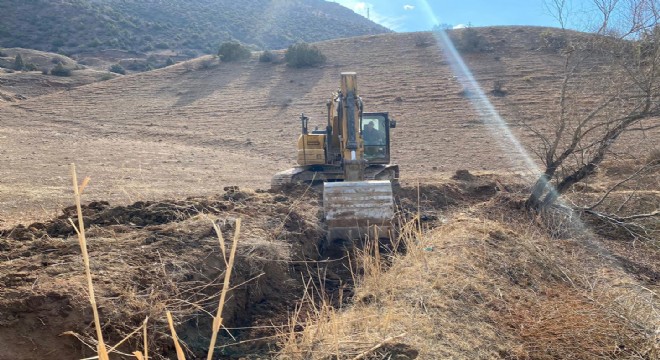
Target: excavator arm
<point x="355" y="207"/>
<point x="357" y="184"/>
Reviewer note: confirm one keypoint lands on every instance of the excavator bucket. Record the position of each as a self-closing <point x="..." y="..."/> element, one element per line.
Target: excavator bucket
<point x="355" y="209"/>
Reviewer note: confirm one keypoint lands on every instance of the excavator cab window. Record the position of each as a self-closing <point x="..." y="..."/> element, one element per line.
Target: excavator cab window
<point x="375" y="133"/>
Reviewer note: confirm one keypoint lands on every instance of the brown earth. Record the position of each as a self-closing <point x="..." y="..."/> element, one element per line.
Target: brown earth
<point x="195" y="128"/>
<point x="18" y="86"/>
<point x="151" y="256"/>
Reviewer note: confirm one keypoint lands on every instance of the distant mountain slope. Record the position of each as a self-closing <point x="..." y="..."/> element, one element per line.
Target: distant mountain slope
<point x="73" y="26"/>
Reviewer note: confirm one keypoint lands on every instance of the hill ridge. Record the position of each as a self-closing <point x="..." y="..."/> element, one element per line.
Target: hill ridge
<point x="191" y="26"/>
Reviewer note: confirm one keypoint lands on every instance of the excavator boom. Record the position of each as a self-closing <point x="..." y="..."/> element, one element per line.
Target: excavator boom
<point x="351" y="156"/>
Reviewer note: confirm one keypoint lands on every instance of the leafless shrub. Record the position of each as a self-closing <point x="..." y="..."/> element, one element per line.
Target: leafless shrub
<point x="498" y="88"/>
<point x="554" y="40"/>
<point x="423" y="39"/>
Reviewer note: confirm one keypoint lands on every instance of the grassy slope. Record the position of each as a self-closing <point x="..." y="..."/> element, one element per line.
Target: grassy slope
<point x="190" y="130"/>
<point x="75" y="26"/>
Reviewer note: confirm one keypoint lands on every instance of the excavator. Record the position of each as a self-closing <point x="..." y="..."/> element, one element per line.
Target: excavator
<point x="351" y="156"/>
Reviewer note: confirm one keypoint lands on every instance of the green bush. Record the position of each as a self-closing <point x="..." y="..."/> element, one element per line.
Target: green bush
<point x="60" y="70"/>
<point x="233" y="51"/>
<point x="18" y="62"/>
<point x="30" y="67"/>
<point x="266" y="56"/>
<point x="169" y="62"/>
<point x="139" y="65"/>
<point x="117" y="69"/>
<point x="207" y="63"/>
<point x="469" y="40"/>
<point x="304" y="55"/>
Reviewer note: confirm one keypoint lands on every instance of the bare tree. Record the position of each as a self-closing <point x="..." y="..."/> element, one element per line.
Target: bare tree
<point x="625" y="96"/>
<point x="606" y="9"/>
<point x="558" y="9"/>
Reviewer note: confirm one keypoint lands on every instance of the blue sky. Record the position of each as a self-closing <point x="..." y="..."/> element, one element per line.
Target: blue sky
<point x="418" y="15"/>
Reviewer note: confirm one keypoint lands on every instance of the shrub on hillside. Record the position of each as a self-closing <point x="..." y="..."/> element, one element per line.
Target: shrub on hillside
<point x="3" y="54"/>
<point x="233" y="51"/>
<point x="554" y="41"/>
<point x="469" y="40"/>
<point x="18" y="62"/>
<point x="208" y="63"/>
<point x="30" y="67"/>
<point x="266" y="56"/>
<point x="60" y="70"/>
<point x="117" y="69"/>
<point x="498" y="88"/>
<point x="304" y="55"/>
<point x="423" y="39"/>
<point x="169" y="62"/>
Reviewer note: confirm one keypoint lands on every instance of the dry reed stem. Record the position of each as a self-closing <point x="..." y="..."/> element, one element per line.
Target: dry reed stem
<point x="138" y="355"/>
<point x="378" y="346"/>
<point x="217" y="320"/>
<point x="179" y="351"/>
<point x="101" y="350"/>
<point x="144" y="336"/>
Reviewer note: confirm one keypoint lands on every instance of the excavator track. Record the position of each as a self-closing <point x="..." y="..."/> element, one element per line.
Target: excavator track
<point x="382" y="172"/>
<point x="284" y="178"/>
<point x="300" y="175"/>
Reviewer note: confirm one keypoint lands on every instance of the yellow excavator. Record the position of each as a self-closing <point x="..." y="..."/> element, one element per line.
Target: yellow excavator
<point x="351" y="156"/>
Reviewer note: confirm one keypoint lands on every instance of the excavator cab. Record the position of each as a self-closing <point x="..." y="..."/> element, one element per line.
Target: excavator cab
<point x="375" y="129"/>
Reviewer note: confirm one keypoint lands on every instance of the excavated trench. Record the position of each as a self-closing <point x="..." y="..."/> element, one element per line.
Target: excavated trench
<point x="149" y="257"/>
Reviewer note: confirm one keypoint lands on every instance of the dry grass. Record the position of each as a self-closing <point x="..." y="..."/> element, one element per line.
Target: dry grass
<point x="153" y="131"/>
<point x="175" y="339"/>
<point x="229" y="265"/>
<point x="101" y="349"/>
<point x="80" y="230"/>
<point x="480" y="287"/>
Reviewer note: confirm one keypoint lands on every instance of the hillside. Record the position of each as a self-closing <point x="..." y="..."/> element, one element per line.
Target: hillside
<point x="480" y="276"/>
<point x="191" y="129"/>
<point x="21" y="85"/>
<point x="75" y="26"/>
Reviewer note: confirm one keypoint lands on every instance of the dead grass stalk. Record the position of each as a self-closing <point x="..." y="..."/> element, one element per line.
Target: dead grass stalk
<point x="217" y="320"/>
<point x="80" y="230"/>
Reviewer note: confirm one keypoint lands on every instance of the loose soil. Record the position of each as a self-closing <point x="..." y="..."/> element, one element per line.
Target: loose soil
<point x="151" y="256"/>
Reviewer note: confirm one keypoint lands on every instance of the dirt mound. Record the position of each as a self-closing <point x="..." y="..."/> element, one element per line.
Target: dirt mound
<point x="430" y="200"/>
<point x="152" y="256"/>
